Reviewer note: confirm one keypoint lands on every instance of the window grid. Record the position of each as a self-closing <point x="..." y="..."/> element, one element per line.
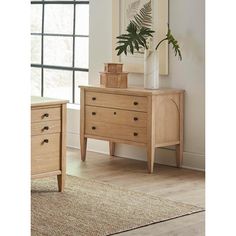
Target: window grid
<point x="73" y="35"/>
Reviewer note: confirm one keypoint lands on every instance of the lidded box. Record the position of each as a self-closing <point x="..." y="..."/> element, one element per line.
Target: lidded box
<point x="113" y="76"/>
<point x="113" y="67"/>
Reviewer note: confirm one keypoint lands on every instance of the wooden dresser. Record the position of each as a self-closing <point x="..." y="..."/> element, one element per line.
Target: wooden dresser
<point x="48" y="138"/>
<point x="136" y="116"/>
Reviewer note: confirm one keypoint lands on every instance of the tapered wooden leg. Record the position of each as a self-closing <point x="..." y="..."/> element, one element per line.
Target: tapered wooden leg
<point x="83" y="148"/>
<point x="61" y="182"/>
<point x="180" y="147"/>
<point x="112" y="146"/>
<point x="150" y="158"/>
<point x="179" y="155"/>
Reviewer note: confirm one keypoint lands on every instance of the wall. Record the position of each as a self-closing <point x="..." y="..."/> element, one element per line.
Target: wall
<point x="187" y="22"/>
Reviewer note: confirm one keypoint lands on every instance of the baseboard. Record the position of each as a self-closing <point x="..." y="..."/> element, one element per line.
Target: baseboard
<point x="163" y="156"/>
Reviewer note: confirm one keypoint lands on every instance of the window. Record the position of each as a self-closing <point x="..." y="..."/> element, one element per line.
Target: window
<point x="59" y="48"/>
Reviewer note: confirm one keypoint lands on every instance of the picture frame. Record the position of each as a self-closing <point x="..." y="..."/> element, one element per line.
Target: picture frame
<point x="134" y="63"/>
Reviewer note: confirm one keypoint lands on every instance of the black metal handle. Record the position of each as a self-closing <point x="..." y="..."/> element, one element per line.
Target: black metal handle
<point x="135" y="118"/>
<point x="93" y="127"/>
<point x="45" y="141"/>
<point x="135" y="103"/>
<point x="45" y="115"/>
<point x="114" y="113"/>
<point x="45" y="128"/>
<point x="135" y="134"/>
<point x="93" y="98"/>
<point x="94" y="113"/>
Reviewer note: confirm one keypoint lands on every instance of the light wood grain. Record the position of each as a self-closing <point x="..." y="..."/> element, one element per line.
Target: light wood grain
<point x="83" y="139"/>
<point x="131" y="90"/>
<point x="151" y="134"/>
<point x="45" y="114"/>
<point x="134" y="103"/>
<point x="135" y="134"/>
<point x="132" y="116"/>
<point x="167" y="119"/>
<point x="46" y="174"/>
<point x="46" y="127"/>
<point x="180" y="146"/>
<point x="116" y="116"/>
<point x="40" y="146"/>
<point x="48" y="139"/>
<point x="112" y="146"/>
<point x="62" y="176"/>
<point x="45" y="157"/>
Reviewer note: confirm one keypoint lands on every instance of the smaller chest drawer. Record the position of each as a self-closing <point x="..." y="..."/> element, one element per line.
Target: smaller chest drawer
<point x="46" y="127"/>
<point x="116" y="116"/>
<point x="44" y="144"/>
<point x="127" y="102"/>
<point x="45" y="114"/>
<point x="45" y="153"/>
<point x="101" y="129"/>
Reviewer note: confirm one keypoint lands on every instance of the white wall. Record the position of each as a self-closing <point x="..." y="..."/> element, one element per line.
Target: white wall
<point x="187" y="22"/>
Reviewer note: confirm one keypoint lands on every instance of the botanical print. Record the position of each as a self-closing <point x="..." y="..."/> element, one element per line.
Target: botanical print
<point x="132" y="7"/>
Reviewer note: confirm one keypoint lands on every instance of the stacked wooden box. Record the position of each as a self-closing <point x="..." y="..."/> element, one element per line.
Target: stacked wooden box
<point x="113" y="76"/>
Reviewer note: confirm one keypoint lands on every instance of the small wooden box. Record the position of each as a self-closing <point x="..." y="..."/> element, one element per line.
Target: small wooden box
<point x="113" y="67"/>
<point x="113" y="80"/>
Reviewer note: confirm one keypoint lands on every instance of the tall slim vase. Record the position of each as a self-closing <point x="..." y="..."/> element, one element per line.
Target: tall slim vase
<point x="151" y="69"/>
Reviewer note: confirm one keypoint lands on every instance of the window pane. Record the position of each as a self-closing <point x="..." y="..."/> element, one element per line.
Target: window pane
<point x="58" y="84"/>
<point x="36" y="18"/>
<point x="58" y="19"/>
<point x="81" y="52"/>
<point x="81" y="78"/>
<point x="82" y="20"/>
<point x="58" y="51"/>
<point x="35" y="81"/>
<point x="35" y="49"/>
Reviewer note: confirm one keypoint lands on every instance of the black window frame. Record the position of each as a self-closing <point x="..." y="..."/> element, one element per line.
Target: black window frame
<point x="73" y="35"/>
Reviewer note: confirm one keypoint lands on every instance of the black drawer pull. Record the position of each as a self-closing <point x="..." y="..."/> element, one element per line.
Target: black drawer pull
<point x="135" y="134"/>
<point x="93" y="98"/>
<point x="135" y="103"/>
<point x="114" y="113"/>
<point x="93" y="127"/>
<point x="45" y="115"/>
<point x="45" y="141"/>
<point x="135" y="118"/>
<point x="94" y="113"/>
<point x="45" y="128"/>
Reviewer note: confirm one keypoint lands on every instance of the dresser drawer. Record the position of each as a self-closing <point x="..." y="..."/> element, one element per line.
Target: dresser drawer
<point x="45" y="153"/>
<point x="101" y="129"/>
<point x="45" y="114"/>
<point x="115" y="116"/>
<point x="134" y="103"/>
<point x="46" y="127"/>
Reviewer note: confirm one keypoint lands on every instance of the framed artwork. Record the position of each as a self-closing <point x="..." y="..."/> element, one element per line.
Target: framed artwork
<point x="123" y="11"/>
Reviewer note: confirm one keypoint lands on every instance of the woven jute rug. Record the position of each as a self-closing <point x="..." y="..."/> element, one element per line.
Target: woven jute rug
<point x="92" y="208"/>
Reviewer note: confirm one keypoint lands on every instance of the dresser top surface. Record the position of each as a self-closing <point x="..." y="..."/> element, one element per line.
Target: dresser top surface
<point x="132" y="90"/>
<point x="44" y="101"/>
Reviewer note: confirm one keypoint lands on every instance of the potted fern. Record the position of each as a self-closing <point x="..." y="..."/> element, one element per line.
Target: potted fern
<point x="139" y="39"/>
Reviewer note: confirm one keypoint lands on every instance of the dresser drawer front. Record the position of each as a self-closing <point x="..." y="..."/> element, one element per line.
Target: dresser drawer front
<point x="45" y="114"/>
<point x="46" y="127"/>
<point x="116" y="116"/>
<point x="134" y="103"/>
<point x="45" y="156"/>
<point x="107" y="130"/>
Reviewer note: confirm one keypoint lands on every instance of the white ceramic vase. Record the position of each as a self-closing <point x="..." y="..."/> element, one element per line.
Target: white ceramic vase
<point x="151" y="69"/>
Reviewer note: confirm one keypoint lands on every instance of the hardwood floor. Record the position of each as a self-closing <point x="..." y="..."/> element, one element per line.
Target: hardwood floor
<point x="187" y="186"/>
